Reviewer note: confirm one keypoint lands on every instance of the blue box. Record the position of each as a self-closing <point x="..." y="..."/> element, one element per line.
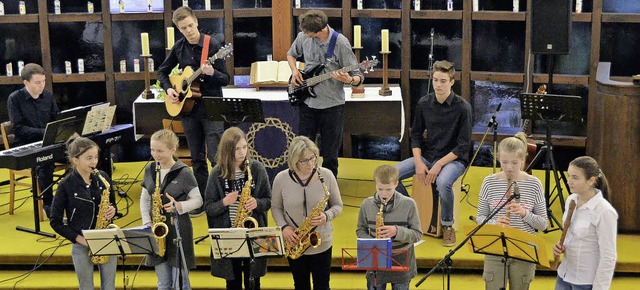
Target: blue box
<point x="365" y="255"/>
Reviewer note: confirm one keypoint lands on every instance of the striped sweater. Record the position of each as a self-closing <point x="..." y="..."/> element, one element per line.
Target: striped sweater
<point x="492" y="195"/>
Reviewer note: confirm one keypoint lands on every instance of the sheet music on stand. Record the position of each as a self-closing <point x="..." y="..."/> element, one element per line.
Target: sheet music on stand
<point x="232" y="242"/>
<point x="112" y="241"/>
<point x="99" y="119"/>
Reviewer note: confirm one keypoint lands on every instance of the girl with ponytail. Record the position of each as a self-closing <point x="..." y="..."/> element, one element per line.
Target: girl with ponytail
<point x="590" y="244"/>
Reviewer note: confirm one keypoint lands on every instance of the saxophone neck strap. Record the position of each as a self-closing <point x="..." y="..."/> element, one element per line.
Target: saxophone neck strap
<point x="298" y="180"/>
<point x="171" y="175"/>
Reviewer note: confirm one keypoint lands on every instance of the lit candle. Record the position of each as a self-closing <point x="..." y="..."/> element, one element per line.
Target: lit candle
<point x="385" y="40"/>
<point x="144" y="39"/>
<point x="356" y="36"/>
<point x="170" y="38"/>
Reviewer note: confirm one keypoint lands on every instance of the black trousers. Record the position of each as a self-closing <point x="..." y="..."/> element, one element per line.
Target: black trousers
<point x="241" y="266"/>
<point x="329" y="123"/>
<point x="318" y="265"/>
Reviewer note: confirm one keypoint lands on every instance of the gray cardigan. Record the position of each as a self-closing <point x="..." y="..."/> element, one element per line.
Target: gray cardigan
<point x="218" y="215"/>
<point x="179" y="187"/>
<point x="289" y="201"/>
<point x="402" y="212"/>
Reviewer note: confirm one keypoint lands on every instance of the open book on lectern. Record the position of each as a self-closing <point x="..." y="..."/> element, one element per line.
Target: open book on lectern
<point x="237" y="242"/>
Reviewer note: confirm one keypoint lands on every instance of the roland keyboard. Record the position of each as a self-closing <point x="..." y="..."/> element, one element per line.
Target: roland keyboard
<point x="32" y="155"/>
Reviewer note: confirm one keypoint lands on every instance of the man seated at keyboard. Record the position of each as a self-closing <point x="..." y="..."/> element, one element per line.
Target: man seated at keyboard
<point x="30" y="109"/>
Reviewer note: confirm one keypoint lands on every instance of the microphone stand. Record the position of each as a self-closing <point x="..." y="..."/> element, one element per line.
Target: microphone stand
<point x="447" y="261"/>
<point x="430" y="63"/>
<point x="492" y="124"/>
<point x="180" y="259"/>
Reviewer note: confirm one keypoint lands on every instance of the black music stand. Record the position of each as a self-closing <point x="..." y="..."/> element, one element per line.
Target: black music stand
<point x="233" y="111"/>
<point x="550" y="109"/>
<point x="122" y="242"/>
<point x="55" y="132"/>
<point x="509" y="243"/>
<point x="446" y="262"/>
<point x="232" y="243"/>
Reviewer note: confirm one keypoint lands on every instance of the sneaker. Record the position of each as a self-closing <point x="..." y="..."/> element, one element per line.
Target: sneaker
<point x="196" y="212"/>
<point x="448" y="236"/>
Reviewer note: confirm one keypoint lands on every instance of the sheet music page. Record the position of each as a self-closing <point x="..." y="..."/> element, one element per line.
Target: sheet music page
<point x="229" y="243"/>
<point x="99" y="119"/>
<point x="266" y="241"/>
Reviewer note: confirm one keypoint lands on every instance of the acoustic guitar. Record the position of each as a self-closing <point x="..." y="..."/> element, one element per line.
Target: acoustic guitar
<point x="297" y="94"/>
<point x="188" y="90"/>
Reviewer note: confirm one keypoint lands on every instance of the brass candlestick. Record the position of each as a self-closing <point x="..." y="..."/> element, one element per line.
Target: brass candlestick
<point x="147" y="93"/>
<point x="385" y="91"/>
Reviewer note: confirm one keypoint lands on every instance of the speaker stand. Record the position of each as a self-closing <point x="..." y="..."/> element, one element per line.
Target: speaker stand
<point x="550" y="73"/>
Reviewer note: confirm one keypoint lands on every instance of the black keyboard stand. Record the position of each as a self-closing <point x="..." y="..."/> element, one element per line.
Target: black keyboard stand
<point x="36" y="211"/>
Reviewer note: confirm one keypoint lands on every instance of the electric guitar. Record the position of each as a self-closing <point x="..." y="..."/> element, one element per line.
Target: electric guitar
<point x="297" y="94"/>
<point x="184" y="85"/>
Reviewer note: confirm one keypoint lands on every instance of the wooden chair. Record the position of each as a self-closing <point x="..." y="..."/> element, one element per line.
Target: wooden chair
<point x="16" y="176"/>
<point x="183" y="153"/>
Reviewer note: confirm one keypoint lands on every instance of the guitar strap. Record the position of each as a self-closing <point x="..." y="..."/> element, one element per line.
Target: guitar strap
<point x="205" y="49"/>
<point x="332" y="45"/>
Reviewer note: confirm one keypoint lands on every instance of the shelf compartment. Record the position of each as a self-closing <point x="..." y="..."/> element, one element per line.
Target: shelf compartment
<point x="76" y="78"/>
<point x="436" y="14"/>
<point x="137" y="17"/>
<point x="16" y="18"/>
<point x="252" y="12"/>
<point x="498" y="16"/>
<point x="377" y="13"/>
<point x="331" y="12"/>
<point x="75" y="17"/>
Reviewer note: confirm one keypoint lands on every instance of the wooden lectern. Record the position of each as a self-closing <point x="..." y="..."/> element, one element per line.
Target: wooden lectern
<point x="613" y="138"/>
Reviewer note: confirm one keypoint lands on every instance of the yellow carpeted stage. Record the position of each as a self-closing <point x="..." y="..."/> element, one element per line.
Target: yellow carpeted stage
<point x="20" y="251"/>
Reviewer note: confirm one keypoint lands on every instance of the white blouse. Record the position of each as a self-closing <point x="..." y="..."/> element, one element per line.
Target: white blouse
<point x="590" y="243"/>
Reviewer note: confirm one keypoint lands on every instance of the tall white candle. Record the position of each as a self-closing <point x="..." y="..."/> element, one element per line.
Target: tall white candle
<point x="144" y="39"/>
<point x="385" y="40"/>
<point x="170" y="37"/>
<point x="357" y="39"/>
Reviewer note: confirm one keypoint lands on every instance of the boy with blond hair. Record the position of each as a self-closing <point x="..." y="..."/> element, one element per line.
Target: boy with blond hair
<point x="401" y="225"/>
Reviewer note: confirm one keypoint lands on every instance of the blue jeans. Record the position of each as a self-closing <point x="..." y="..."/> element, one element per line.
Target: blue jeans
<point x="394" y="286"/>
<point x="168" y="277"/>
<point x="562" y="285"/>
<point x="444" y="184"/>
<point x="200" y="132"/>
<point x="329" y="123"/>
<point x="84" y="269"/>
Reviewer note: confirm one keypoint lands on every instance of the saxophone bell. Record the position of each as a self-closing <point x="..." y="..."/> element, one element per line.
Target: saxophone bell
<point x="250" y="223"/>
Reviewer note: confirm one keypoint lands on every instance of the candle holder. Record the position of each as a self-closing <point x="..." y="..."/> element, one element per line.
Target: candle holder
<point x="358" y="91"/>
<point x="385" y="91"/>
<point x="147" y="93"/>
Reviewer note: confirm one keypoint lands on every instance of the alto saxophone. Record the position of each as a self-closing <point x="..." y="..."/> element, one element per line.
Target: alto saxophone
<point x="101" y="221"/>
<point x="159" y="228"/>
<point x="380" y="219"/>
<point x="243" y="217"/>
<point x="306" y="232"/>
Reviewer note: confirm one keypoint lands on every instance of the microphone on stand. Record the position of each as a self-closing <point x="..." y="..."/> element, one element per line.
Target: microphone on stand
<point x="516" y="192"/>
<point x="493" y="117"/>
<point x="430" y="62"/>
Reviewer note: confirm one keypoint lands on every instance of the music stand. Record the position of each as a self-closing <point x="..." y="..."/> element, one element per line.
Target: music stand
<point x="233" y="111"/>
<point x="507" y="242"/>
<point x="375" y="255"/>
<point x="122" y="242"/>
<point x="246" y="243"/>
<point x="550" y="109"/>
